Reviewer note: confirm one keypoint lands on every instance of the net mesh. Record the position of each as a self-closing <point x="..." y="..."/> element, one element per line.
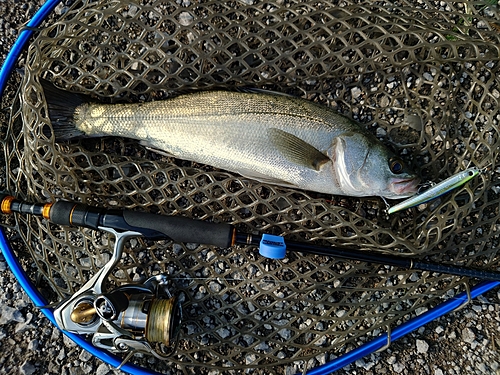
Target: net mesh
<point x="420" y="75"/>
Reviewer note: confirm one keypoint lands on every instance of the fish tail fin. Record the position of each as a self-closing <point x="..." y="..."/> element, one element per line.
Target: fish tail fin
<point x="62" y="106"/>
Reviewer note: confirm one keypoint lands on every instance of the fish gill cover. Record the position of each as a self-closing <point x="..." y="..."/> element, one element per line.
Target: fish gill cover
<point x="422" y="76"/>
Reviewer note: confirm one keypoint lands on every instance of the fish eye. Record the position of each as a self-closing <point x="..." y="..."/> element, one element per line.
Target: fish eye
<point x="396" y="166"/>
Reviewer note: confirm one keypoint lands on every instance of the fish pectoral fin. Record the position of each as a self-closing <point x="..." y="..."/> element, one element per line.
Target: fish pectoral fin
<point x="296" y="150"/>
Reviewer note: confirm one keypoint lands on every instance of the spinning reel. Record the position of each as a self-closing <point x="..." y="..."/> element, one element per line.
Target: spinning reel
<point x="131" y="318"/>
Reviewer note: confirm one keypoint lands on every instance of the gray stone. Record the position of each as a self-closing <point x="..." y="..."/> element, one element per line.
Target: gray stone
<point x="84" y="356"/>
<point x="398" y="367"/>
<point x="62" y="355"/>
<point x="422" y="346"/>
<point x="56" y="334"/>
<point x="103" y="369"/>
<point x="87" y="368"/>
<point x="468" y="335"/>
<point x="9" y="314"/>
<point x="68" y="342"/>
<point x="34" y="345"/>
<point x="356" y="92"/>
<point x="428" y="76"/>
<point x="27" y="368"/>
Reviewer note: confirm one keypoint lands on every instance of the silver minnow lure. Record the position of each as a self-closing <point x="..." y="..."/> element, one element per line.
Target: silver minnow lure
<point x="437" y="190"/>
<point x="271" y="138"/>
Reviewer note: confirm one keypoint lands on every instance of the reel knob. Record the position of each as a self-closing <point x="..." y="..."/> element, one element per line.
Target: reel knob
<point x="84" y="313"/>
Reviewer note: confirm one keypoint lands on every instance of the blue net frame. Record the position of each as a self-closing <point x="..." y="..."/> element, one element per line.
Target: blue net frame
<point x="38" y="300"/>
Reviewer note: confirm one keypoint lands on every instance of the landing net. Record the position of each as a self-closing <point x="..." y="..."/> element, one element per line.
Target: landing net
<point x="420" y="75"/>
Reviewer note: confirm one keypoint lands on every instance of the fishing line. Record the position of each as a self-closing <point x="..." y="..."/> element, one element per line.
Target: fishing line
<point x="328" y="285"/>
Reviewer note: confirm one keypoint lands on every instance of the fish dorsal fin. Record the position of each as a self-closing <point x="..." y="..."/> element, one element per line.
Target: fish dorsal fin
<point x="296" y="150"/>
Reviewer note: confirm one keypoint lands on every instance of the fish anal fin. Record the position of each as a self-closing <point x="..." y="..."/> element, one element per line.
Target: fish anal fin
<point x="157" y="150"/>
<point x="296" y="150"/>
<point x="252" y="175"/>
<point x="254" y="90"/>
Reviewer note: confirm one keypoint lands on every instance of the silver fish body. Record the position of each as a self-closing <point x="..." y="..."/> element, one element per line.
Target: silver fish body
<point x="271" y="138"/>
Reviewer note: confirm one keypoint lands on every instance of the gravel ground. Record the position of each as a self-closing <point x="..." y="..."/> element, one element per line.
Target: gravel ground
<point x="463" y="342"/>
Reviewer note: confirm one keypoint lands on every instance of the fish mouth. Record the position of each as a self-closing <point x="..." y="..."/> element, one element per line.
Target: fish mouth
<point x="405" y="187"/>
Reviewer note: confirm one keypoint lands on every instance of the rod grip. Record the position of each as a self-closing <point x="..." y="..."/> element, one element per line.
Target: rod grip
<point x="181" y="229"/>
<point x="61" y="211"/>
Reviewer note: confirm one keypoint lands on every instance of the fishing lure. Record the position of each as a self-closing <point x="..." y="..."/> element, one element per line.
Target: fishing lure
<point x="437" y="190"/>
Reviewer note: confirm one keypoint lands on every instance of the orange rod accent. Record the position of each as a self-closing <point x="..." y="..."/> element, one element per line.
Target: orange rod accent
<point x="233" y="238"/>
<point x="46" y="210"/>
<point x="6" y="204"/>
<point x="71" y="215"/>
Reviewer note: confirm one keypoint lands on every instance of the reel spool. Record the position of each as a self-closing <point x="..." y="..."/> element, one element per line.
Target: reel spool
<point x="147" y="315"/>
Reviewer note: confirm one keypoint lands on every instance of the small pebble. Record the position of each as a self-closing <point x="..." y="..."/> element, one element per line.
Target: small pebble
<point x="68" y="342"/>
<point x="62" y="355"/>
<point x="381" y="132"/>
<point x="285" y="333"/>
<point x="85" y="356"/>
<point x="34" y="345"/>
<point x="422" y="346"/>
<point x="468" y="335"/>
<point x="9" y="314"/>
<point x="356" y="92"/>
<point x="223" y="332"/>
<point x="185" y="18"/>
<point x="428" y="76"/>
<point x="398" y="367"/>
<point x="27" y="368"/>
<point x="103" y="369"/>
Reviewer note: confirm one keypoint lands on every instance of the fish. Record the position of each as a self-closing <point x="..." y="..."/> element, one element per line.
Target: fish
<point x="272" y="138"/>
<point x="437" y="190"/>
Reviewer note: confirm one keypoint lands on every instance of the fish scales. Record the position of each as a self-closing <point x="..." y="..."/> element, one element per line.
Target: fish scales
<point x="272" y="138"/>
<point x="188" y="125"/>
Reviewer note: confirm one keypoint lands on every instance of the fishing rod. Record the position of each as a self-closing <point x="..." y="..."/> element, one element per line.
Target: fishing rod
<point x="181" y="230"/>
<point x="147" y="317"/>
